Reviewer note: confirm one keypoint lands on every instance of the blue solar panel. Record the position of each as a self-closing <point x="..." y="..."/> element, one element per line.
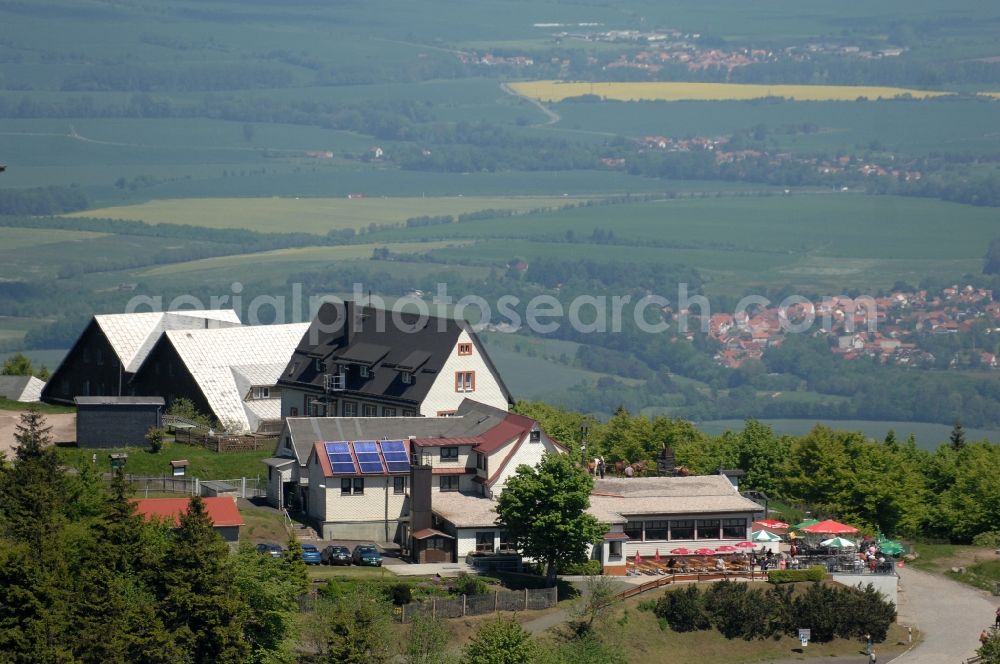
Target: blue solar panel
<point x="368" y="457"/>
<point x="341" y="461"/>
<point x="397" y="460"/>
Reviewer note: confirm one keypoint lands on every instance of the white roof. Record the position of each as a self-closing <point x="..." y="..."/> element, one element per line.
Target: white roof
<point x="215" y="357"/>
<point x="464" y="510"/>
<point x="133" y="335"/>
<point x="613" y="500"/>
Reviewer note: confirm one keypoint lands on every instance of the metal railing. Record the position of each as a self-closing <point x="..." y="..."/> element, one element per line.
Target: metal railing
<point x="477" y="605"/>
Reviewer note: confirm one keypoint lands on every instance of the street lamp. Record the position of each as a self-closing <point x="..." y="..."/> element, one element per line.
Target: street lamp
<point x="583" y="443"/>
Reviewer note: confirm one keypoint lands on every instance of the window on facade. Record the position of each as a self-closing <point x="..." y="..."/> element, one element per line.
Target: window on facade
<point x="482" y="462"/>
<point x="369" y="410"/>
<point x="465" y="349"/>
<point x="449" y="454"/>
<point x="86" y="358"/>
<point x="734" y="528"/>
<point x="320" y="365"/>
<point x="465" y="381"/>
<point x="634" y="530"/>
<point x="408" y="413"/>
<point x="406" y="377"/>
<point x="359" y="486"/>
<point x="656" y="530"/>
<point x="434" y="543"/>
<point x="293" y="412"/>
<point x="614" y="550"/>
<point x="388" y="412"/>
<point x="446" y="413"/>
<point x="350" y="409"/>
<point x="398" y="485"/>
<point x="100" y="356"/>
<point x="448" y="483"/>
<point x="484" y="542"/>
<point x="261" y="393"/>
<point x="708" y="528"/>
<point x="506" y="544"/>
<point x="345" y="486"/>
<point x="364" y="371"/>
<point x="682" y="530"/>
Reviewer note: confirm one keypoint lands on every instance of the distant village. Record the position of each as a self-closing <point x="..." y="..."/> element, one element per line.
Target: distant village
<point x="887" y="333"/>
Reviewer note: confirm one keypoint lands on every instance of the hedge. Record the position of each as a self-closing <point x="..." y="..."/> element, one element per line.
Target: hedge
<point x="814" y="573"/>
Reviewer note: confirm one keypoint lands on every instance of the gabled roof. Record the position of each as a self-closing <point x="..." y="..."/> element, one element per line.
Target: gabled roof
<point x="133" y="335"/>
<point x="471" y="419"/>
<point x="21" y="388"/>
<point x="225" y="362"/>
<point x="390" y="344"/>
<point x="221" y="510"/>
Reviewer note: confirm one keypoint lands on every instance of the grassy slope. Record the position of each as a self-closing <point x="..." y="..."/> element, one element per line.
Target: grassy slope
<point x="205" y="464"/>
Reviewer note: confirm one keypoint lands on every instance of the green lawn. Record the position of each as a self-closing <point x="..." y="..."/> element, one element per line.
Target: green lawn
<point x="204" y="464"/>
<point x="7" y="404"/>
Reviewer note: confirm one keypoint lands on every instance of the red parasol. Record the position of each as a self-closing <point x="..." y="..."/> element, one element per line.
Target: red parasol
<point x="725" y="548"/>
<point x="638" y="558"/>
<point x="657" y="556"/>
<point x="829" y="527"/>
<point x="770" y="524"/>
<point x="704" y="551"/>
<point x="746" y="545"/>
<point x="681" y="551"/>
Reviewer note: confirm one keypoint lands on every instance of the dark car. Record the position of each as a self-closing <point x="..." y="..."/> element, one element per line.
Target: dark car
<point x="272" y="550"/>
<point x="367" y="555"/>
<point x="336" y="555"/>
<point x="311" y="555"/>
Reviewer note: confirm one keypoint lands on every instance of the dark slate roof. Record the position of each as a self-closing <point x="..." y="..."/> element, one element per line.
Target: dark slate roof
<point x="118" y="401"/>
<point x="352" y="334"/>
<point x="11" y="387"/>
<point x="471" y="420"/>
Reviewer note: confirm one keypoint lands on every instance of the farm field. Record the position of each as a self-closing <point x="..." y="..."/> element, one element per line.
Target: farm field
<point x="688" y="91"/>
<point x="313" y="215"/>
<point x="302" y="256"/>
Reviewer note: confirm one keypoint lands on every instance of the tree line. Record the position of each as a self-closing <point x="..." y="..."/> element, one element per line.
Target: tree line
<point x="889" y="485"/>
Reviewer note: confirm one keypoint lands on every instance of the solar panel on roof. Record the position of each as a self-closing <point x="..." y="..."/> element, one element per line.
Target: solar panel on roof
<point x="341" y="461"/>
<point x="368" y="457"/>
<point x="397" y="460"/>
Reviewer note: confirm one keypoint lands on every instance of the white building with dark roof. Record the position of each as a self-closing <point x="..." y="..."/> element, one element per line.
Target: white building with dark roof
<point x="360" y="361"/>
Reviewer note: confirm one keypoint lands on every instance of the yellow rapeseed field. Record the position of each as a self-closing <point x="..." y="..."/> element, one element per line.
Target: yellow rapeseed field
<point x="678" y="91"/>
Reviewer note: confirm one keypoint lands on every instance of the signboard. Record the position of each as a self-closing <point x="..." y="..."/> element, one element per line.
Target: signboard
<point x="804" y="635"/>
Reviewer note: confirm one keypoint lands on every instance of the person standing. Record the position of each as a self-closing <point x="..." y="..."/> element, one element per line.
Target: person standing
<point x="997" y="623"/>
<point x="868" y="644"/>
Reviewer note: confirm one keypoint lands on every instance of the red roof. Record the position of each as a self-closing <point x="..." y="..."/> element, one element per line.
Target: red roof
<point x="222" y="510"/>
<point x="608" y="537"/>
<point x="438" y="442"/>
<point x="503" y="433"/>
<point x="430" y="532"/>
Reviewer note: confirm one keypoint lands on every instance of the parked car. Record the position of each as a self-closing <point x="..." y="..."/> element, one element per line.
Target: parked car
<point x="272" y="550"/>
<point x="366" y="554"/>
<point x="336" y="555"/>
<point x="311" y="555"/>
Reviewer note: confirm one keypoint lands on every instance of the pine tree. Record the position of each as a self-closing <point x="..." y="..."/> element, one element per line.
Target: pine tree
<point x="957" y="436"/>
<point x="199" y="606"/>
<point x="32" y="489"/>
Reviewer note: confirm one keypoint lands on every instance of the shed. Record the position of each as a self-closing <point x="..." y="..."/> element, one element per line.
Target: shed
<point x="223" y="512"/>
<point x="218" y="488"/>
<point x="116" y="421"/>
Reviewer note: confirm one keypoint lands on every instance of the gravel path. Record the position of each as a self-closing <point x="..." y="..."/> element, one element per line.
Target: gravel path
<point x="949" y="614"/>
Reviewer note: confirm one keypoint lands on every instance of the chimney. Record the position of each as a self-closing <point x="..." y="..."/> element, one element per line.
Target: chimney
<point x="420" y="497"/>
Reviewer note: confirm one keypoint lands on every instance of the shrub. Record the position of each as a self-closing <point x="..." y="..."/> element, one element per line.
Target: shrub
<point x="682" y="609"/>
<point x="400" y="594"/>
<point x="467" y="584"/>
<point x="155" y="438"/>
<point x="819" y="608"/>
<point x="586" y="568"/>
<point x="991" y="539"/>
<point x="726" y="604"/>
<point x="814" y="573"/>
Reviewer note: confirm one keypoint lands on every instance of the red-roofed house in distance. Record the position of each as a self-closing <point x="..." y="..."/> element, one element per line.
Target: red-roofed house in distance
<point x="225" y="516"/>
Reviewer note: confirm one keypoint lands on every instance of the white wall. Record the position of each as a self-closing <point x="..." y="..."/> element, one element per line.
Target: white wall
<point x="529" y="453"/>
<point x="442" y="395"/>
<point x="368" y="507"/>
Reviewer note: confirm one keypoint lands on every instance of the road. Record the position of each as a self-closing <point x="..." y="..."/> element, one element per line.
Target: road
<point x="63" y="428"/>
<point x="950" y="616"/>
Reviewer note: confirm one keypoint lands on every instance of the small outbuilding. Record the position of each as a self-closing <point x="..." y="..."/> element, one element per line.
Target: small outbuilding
<point x="225" y="515"/>
<point x="116" y="421"/>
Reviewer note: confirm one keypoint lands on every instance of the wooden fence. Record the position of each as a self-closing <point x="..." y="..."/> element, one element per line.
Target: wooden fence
<point x="225" y="442"/>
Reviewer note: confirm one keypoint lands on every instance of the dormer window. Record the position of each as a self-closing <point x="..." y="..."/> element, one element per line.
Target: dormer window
<point x="319" y="364"/>
<point x="364" y="371"/>
<point x="262" y="393"/>
<point x="406" y="377"/>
